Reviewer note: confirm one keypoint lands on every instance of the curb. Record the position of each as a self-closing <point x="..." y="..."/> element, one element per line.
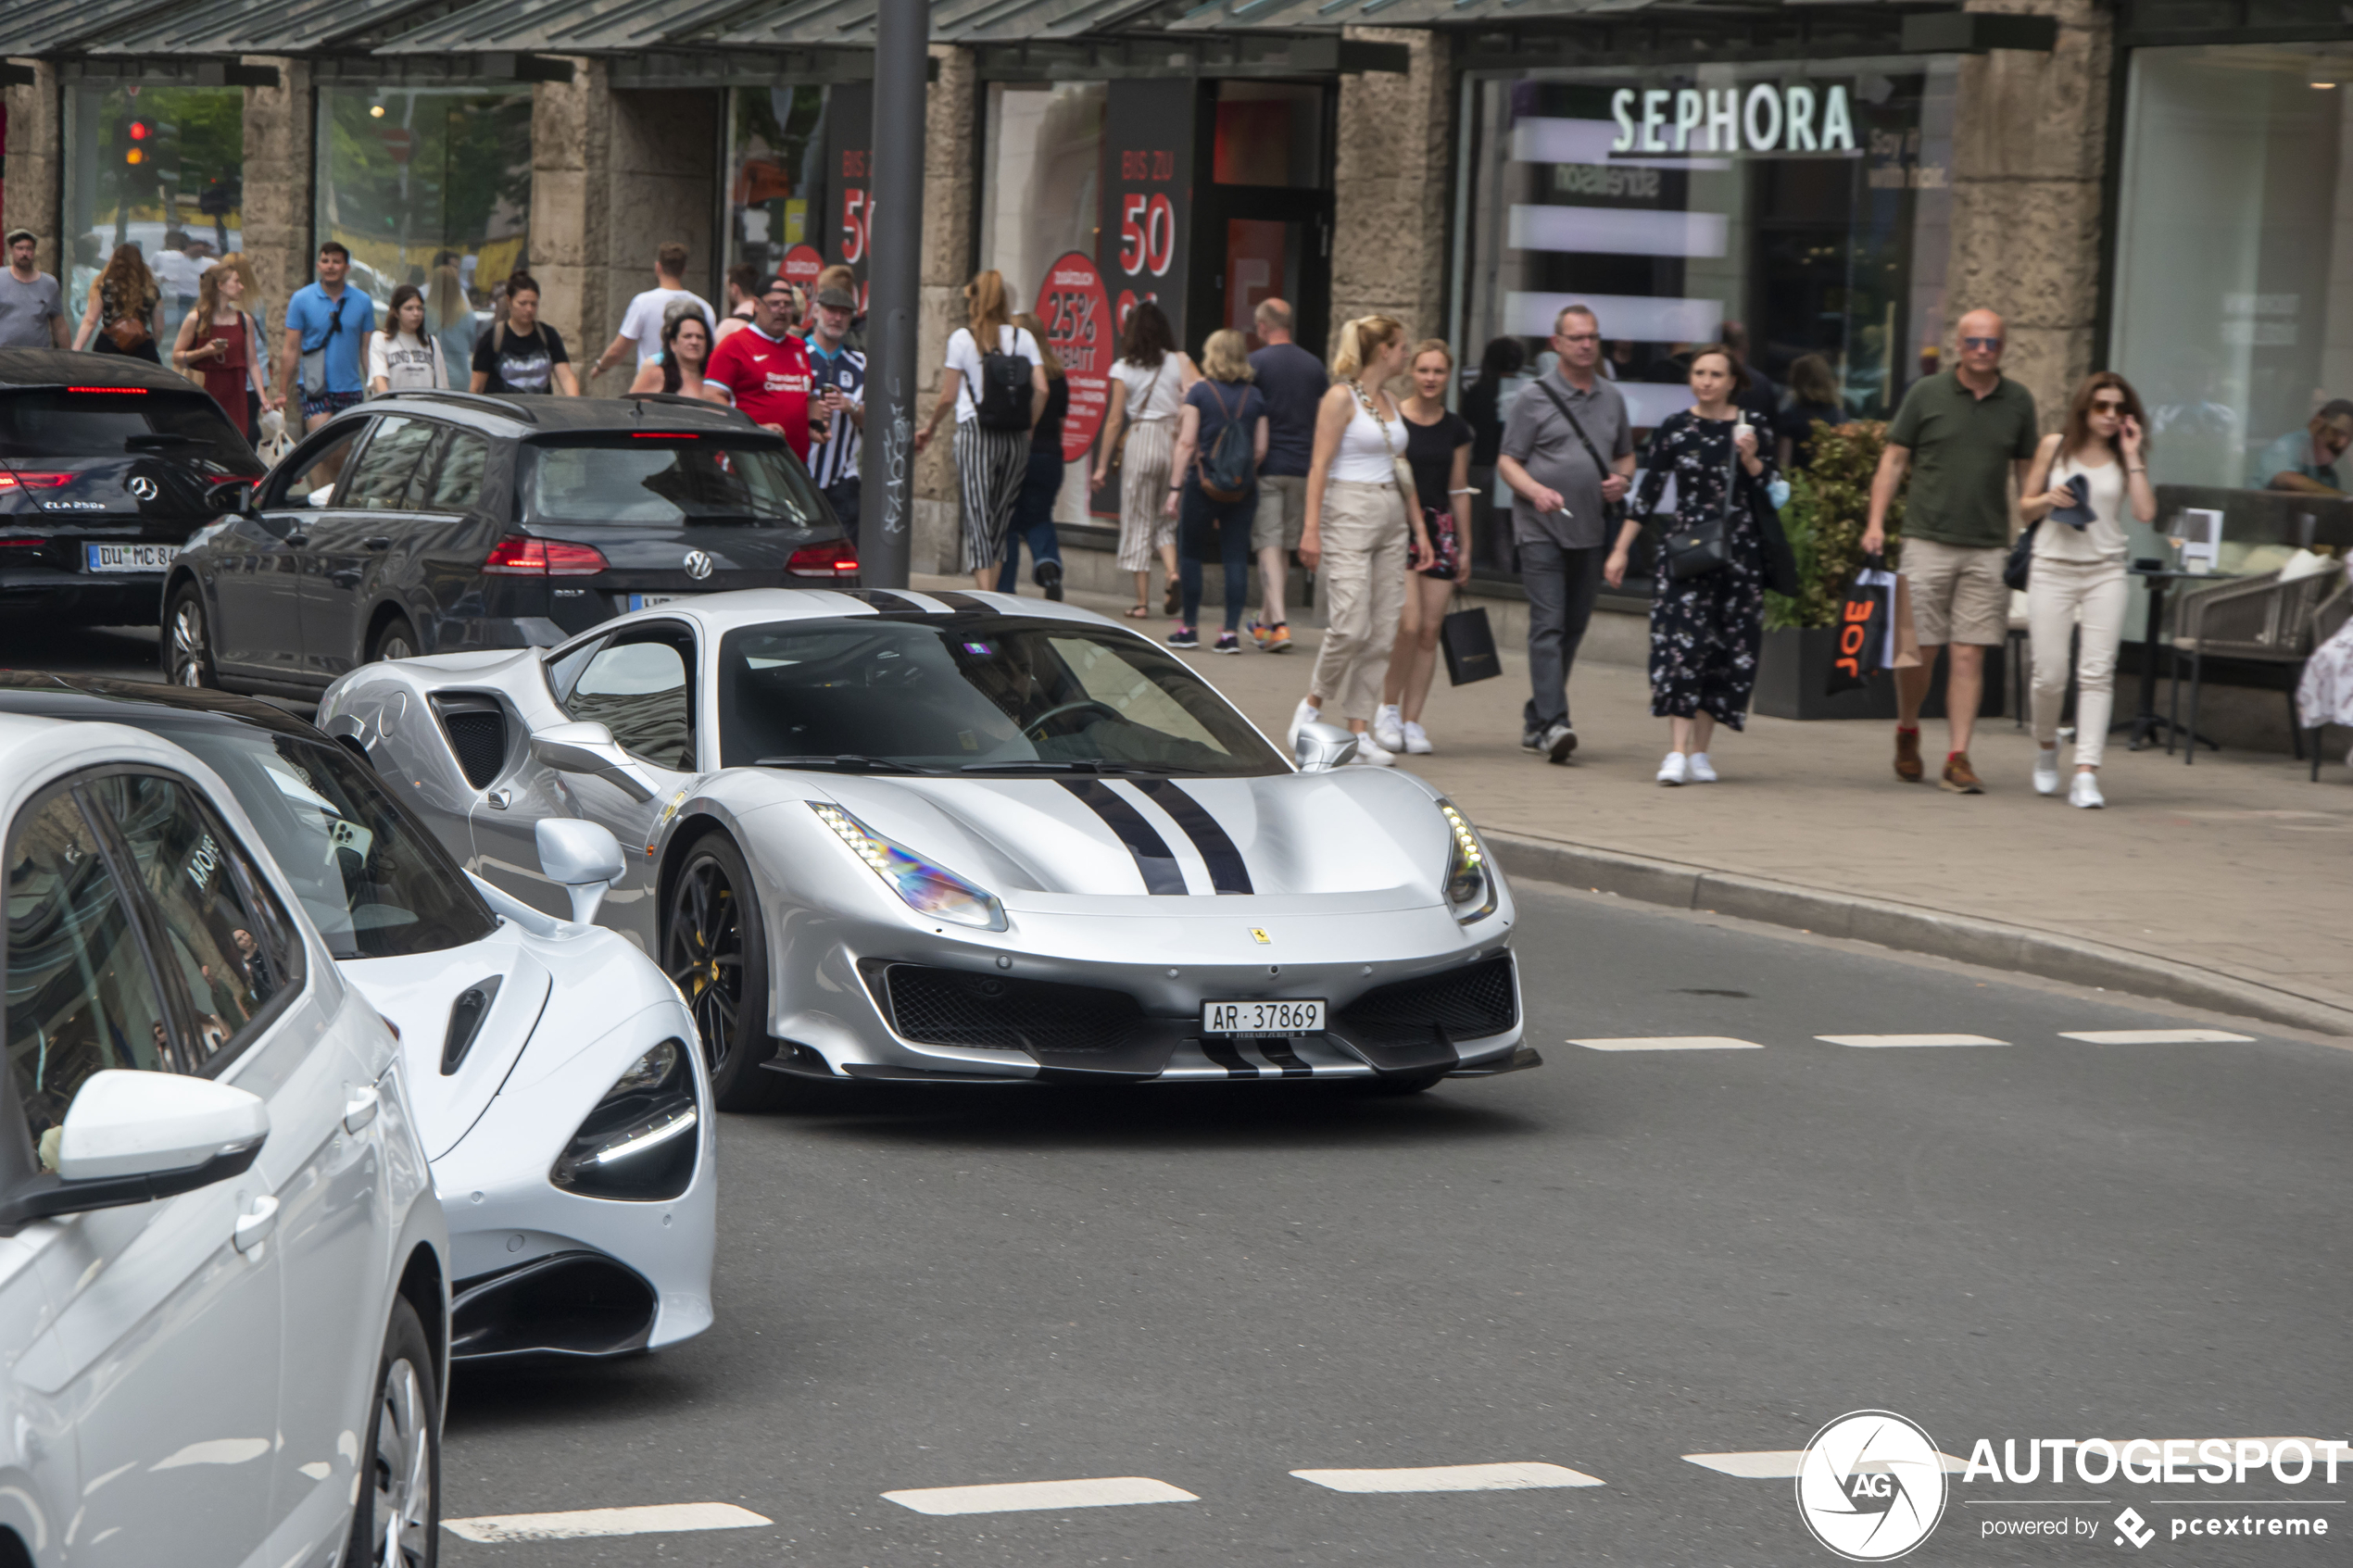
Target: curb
<point x="1909" y="928"/>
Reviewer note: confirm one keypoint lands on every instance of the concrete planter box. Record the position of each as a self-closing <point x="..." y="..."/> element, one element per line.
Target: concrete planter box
<point x="1794" y="670"/>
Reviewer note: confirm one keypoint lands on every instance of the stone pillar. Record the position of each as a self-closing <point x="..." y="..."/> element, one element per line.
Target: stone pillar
<point x="281" y="125"/>
<point x="35" y="167"/>
<point x="570" y="252"/>
<point x="951" y="211"/>
<point x="2029" y="145"/>
<point x="664" y="177"/>
<point x="1392" y="184"/>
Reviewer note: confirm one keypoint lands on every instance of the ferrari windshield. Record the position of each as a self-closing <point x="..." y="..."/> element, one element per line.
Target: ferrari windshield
<point x="977" y="694"/>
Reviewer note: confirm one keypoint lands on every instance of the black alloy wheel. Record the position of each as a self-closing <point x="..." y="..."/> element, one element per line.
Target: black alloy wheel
<point x="395" y="639"/>
<point x="714" y="947"/>
<point x="187" y="640"/>
<point x="395" y="1522"/>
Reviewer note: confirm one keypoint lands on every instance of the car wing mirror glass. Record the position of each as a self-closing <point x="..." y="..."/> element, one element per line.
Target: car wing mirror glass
<point x="1324" y="746"/>
<point x="583" y="857"/>
<point x="588" y="747"/>
<point x="134" y="1136"/>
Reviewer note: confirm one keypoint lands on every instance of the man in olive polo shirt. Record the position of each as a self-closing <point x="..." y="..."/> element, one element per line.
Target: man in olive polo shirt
<point x="1963" y="435"/>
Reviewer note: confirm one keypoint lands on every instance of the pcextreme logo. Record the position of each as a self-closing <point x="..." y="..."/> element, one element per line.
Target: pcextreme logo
<point x="1871" y="1486"/>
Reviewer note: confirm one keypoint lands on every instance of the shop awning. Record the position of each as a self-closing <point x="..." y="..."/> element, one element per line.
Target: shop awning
<point x="560" y="27"/>
<point x="32" y="29"/>
<point x="258" y="27"/>
<point x="1245" y="16"/>
<point x="628" y="27"/>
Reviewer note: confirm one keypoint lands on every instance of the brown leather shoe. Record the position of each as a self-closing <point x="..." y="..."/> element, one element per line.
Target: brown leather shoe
<point x="1959" y="777"/>
<point x="1907" y="756"/>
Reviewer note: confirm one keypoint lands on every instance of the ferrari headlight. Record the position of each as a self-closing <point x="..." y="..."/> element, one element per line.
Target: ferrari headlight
<point x="1470" y="882"/>
<point x="639" y="1144"/>
<point x="927" y="889"/>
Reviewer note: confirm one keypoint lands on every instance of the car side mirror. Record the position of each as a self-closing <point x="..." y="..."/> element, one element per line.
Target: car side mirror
<point x="1324" y="746"/>
<point x="588" y="747"/>
<point x="583" y="857"/>
<point x="133" y="1137"/>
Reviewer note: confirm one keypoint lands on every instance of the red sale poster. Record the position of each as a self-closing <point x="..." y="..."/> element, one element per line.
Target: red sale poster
<point x="1079" y="326"/>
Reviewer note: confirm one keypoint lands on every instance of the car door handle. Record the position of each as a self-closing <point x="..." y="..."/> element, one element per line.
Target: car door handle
<point x="297" y="540"/>
<point x="347" y="578"/>
<point x="361" y="1108"/>
<point x="255" y="1224"/>
<point x="381" y="542"/>
<point x="499" y="799"/>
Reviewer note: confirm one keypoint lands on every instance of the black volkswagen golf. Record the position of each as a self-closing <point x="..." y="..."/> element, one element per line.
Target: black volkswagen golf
<point x="431" y="522"/>
<point x="106" y="466"/>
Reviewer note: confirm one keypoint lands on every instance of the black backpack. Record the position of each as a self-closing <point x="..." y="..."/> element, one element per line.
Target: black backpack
<point x="1228" y="469"/>
<point x="1001" y="401"/>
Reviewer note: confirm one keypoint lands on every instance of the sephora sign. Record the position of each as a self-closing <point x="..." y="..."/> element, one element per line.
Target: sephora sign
<point x="1794" y="117"/>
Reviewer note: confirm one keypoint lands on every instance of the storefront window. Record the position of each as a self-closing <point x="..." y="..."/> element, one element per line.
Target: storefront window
<point x="156" y="166"/>
<point x="1042" y="197"/>
<point x="776" y="178"/>
<point x="2234" y="312"/>
<point x="421" y="184"/>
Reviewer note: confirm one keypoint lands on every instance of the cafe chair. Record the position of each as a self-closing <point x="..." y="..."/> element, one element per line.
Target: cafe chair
<point x="2328" y="619"/>
<point x="2257" y="620"/>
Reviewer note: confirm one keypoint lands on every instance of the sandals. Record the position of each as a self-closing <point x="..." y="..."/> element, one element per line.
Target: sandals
<point x="1139" y="612"/>
<point x="1169" y="601"/>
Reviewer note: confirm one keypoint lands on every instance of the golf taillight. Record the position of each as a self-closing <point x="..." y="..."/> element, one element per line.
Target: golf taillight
<point x="838" y="559"/>
<point x="32" y="481"/>
<point x="520" y="556"/>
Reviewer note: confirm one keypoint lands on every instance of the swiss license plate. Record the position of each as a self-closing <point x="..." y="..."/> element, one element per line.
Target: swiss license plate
<point x="132" y="557"/>
<point x="1290" y="1016"/>
<point x="648" y="601"/>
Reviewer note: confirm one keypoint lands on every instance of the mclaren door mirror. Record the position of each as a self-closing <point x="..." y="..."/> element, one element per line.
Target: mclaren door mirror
<point x="583" y="857"/>
<point x="132" y="1137"/>
<point x="588" y="747"/>
<point x="1324" y="746"/>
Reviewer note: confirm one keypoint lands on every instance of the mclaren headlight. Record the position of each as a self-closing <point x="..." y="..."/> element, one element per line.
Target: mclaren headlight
<point x="638" y="1145"/>
<point x="1470" y="881"/>
<point x="927" y="889"/>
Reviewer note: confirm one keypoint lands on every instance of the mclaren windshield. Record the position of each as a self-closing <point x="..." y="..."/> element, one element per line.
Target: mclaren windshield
<point x="974" y="695"/>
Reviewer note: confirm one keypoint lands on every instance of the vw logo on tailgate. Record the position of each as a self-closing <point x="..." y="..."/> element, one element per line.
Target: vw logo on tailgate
<point x="697" y="565"/>
<point x="143" y="488"/>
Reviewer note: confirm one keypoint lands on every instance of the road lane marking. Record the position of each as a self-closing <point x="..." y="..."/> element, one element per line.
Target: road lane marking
<point x="659" y="1519"/>
<point x="1015" y="1497"/>
<point x="2157" y="1038"/>
<point x="1515" y="1477"/>
<point x="1875" y="1041"/>
<point x="1671" y="1042"/>
<point x="1782" y="1464"/>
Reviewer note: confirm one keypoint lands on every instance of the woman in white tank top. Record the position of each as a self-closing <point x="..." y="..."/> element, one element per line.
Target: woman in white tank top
<point x="2076" y="580"/>
<point x="1363" y="528"/>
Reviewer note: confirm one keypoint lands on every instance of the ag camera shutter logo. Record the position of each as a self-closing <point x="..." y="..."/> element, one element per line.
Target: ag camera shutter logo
<point x="1871" y="1486"/>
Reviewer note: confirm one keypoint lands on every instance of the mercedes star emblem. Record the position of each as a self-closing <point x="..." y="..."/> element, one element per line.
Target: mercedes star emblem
<point x="143" y="488"/>
<point x="697" y="565"/>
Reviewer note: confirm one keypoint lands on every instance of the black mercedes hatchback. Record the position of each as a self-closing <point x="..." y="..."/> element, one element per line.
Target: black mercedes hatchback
<point x="106" y="466"/>
<point x="430" y="522"/>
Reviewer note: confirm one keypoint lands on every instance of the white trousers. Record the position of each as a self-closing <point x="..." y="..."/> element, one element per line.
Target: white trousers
<point x="2061" y="596"/>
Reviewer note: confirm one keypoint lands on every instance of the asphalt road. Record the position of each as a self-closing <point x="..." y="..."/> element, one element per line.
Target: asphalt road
<point x="1606" y="1264"/>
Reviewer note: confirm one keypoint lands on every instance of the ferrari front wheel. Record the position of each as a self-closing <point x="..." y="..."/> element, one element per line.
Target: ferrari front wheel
<point x="715" y="950"/>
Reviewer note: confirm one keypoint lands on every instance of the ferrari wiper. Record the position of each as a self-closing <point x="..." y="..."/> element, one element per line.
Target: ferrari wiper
<point x="846" y="761"/>
<point x="1085" y="765"/>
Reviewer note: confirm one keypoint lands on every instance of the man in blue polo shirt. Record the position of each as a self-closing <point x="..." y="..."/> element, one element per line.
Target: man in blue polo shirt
<point x="326" y="340"/>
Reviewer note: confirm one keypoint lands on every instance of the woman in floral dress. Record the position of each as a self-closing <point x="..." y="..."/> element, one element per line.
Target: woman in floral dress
<point x="1705" y="630"/>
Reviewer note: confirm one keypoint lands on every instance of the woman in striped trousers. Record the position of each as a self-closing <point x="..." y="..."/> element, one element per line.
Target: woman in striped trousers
<point x="992" y="454"/>
<point x="1148" y="387"/>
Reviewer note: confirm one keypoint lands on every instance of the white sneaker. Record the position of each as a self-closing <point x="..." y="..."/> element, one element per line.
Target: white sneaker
<point x="1418" y="739"/>
<point x="2085" y="792"/>
<point x="1388" y="727"/>
<point x="2046" y="771"/>
<point x="1675" y="769"/>
<point x="1701" y="769"/>
<point x="1306" y="713"/>
<point x="1370" y="753"/>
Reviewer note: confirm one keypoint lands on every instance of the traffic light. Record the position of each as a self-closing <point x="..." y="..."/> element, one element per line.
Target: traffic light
<point x="136" y="155"/>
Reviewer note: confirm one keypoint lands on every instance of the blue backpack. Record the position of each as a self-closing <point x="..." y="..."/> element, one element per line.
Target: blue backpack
<point x="1228" y="468"/>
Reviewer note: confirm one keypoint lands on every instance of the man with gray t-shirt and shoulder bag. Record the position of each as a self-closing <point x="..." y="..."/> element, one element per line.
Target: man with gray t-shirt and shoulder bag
<point x="1568" y="455"/>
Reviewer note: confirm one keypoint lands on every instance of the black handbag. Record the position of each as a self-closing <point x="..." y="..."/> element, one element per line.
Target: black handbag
<point x="2021" y="557"/>
<point x="1697" y="550"/>
<point x="1469" y="644"/>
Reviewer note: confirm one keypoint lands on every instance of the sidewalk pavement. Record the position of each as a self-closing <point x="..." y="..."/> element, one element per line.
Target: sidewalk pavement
<point x="2224" y="885"/>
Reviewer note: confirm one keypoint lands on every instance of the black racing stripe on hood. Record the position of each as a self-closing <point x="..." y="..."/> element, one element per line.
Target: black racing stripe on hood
<point x="887" y="602"/>
<point x="1160" y="869"/>
<point x="963" y="602"/>
<point x="1228" y="871"/>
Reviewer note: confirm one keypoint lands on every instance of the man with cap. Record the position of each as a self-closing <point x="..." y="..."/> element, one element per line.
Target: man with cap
<point x="840" y="381"/>
<point x="764" y="370"/>
<point x="31" y="315"/>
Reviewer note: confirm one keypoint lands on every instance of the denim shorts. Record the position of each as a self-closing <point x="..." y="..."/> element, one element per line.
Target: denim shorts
<point x="317" y="403"/>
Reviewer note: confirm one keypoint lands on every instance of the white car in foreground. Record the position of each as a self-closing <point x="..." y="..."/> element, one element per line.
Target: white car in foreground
<point x="551" y="1067"/>
<point x="223" y="1273"/>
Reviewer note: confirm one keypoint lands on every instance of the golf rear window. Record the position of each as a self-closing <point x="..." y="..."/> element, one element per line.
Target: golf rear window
<point x="664" y="477"/>
<point x="46" y="422"/>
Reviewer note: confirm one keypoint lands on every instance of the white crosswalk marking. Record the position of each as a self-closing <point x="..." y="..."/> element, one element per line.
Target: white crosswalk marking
<point x="1781" y="1464"/>
<point x="1671" y="1042"/>
<point x="1875" y="1041"/>
<point x="661" y="1519"/>
<point x="1514" y="1477"/>
<point x="1016" y="1496"/>
<point x="2157" y="1038"/>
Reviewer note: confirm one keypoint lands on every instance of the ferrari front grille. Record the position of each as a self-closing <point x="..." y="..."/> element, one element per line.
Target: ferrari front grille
<point x="1469" y="1002"/>
<point x="950" y="1007"/>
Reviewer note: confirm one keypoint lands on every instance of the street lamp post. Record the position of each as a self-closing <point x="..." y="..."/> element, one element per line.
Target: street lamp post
<point x="894" y="280"/>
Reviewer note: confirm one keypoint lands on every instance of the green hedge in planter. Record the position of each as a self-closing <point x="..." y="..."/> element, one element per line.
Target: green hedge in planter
<point x="1828" y="504"/>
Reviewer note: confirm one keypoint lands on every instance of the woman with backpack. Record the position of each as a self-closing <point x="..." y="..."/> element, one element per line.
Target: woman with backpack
<point x="1221" y="439"/>
<point x="993" y="418"/>
<point x="1148" y="385"/>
